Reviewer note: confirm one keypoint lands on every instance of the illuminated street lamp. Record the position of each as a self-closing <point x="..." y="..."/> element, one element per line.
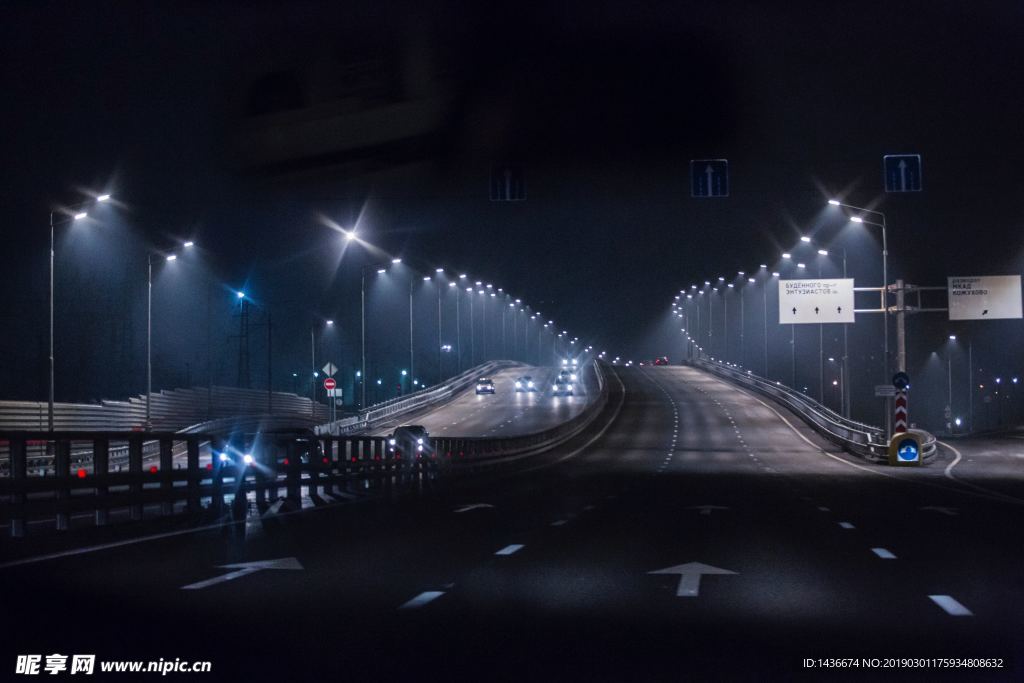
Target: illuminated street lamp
<point x="79" y="214"/>
<point x="885" y="270"/>
<point x="149" y="329"/>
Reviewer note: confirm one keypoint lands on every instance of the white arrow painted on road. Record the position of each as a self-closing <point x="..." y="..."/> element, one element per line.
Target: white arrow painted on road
<point x="952" y="512"/>
<point x="706" y="509"/>
<point x="244" y="569"/>
<point x="689" y="576"/>
<point x="474" y="506"/>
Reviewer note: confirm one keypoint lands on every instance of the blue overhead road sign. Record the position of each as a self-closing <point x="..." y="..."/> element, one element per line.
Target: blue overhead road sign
<point x="709" y="178"/>
<point x="902" y="172"/>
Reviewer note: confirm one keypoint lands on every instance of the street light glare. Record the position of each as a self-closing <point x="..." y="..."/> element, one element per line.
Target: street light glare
<point x="823" y="252"/>
<point x="834" y="202"/>
<point x="103" y="198"/>
<point x="190" y="243"/>
<point x="396" y="261"/>
<point x="856" y="219"/>
<point x="329" y="322"/>
<point x="439" y="270"/>
<point x="426" y="278"/>
<point x="172" y="257"/>
<point x="787" y="255"/>
<point x="800" y="265"/>
<point x="451" y="284"/>
<point x="240" y="294"/>
<point x="79" y="216"/>
<point x="805" y="238"/>
<point x="952" y="337"/>
<point x="381" y="271"/>
<point x="350" y="235"/>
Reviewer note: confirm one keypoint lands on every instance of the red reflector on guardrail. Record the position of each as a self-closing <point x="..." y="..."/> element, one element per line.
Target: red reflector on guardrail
<point x="152" y="470"/>
<point x="285" y="461"/>
<point x="81" y="474"/>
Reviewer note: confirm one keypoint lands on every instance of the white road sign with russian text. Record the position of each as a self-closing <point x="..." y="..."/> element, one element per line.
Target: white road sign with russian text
<point x="816" y="301"/>
<point x="984" y="298"/>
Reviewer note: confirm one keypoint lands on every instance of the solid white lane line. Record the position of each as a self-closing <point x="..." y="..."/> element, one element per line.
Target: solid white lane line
<point x="883" y="553"/>
<point x="510" y="549"/>
<point x="952" y="606"/>
<point x="847" y="525"/>
<point x="949" y="474"/>
<point x="422" y="599"/>
<point x="559" y="522"/>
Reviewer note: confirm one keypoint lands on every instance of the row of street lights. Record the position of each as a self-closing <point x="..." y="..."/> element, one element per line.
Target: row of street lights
<point x="80" y="212"/>
<point x="462" y="283"/>
<point x="863" y="216"/>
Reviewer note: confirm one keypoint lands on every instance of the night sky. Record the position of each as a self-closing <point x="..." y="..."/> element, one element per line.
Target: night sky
<point x="602" y="103"/>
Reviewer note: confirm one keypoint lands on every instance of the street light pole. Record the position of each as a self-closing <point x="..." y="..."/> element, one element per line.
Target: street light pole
<point x="458" y="334"/>
<point x="440" y="373"/>
<point x="312" y="374"/>
<point x="764" y="296"/>
<point x="362" y="336"/>
<point x="149" y="341"/>
<point x="412" y="367"/>
<point x="885" y="271"/>
<point x="49" y="412"/>
<point x="472" y="330"/>
<point x="77" y="215"/>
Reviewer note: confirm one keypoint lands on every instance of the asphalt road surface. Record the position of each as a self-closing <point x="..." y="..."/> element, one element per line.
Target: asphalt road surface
<point x="696" y="533"/>
<point x="505" y="412"/>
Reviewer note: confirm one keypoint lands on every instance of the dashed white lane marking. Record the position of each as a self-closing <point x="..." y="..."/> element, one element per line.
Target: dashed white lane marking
<point x="559" y="522"/>
<point x="824" y="509"/>
<point x="847" y="525"/>
<point x="422" y="599"/>
<point x="588" y="507"/>
<point x="951" y="605"/>
<point x="883" y="553"/>
<point x="510" y="549"/>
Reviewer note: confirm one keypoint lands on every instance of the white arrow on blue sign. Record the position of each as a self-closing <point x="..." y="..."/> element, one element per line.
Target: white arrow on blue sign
<point x="709" y="177"/>
<point x="902" y="172"/>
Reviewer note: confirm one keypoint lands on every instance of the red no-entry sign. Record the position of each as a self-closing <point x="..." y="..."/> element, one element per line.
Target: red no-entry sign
<point x="329" y="383"/>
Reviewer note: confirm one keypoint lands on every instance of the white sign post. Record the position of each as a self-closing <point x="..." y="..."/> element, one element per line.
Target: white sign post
<point x="984" y="298"/>
<point x="816" y="301"/>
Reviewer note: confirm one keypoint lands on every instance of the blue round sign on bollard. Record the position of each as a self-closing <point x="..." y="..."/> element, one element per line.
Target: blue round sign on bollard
<point x="904" y="449"/>
<point x="908" y="451"/>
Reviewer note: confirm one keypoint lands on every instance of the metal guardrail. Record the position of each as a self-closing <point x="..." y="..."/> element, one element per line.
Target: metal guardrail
<point x="866" y="441"/>
<point x="205" y="484"/>
<point x="172" y="410"/>
<point x="395" y="407"/>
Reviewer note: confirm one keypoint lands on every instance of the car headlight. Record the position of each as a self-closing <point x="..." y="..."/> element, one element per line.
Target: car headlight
<point x="573" y="377"/>
<point x="247" y="458"/>
<point x="555" y="387"/>
<point x="519" y="385"/>
<point x="223" y="457"/>
<point x="419" y="448"/>
<point x="529" y="384"/>
<point x="419" y="441"/>
<point x="392" y="442"/>
<point x="568" y="387"/>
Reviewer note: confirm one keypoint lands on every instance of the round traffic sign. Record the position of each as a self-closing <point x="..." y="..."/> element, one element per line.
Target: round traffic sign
<point x="901" y="380"/>
<point x="329" y="383"/>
